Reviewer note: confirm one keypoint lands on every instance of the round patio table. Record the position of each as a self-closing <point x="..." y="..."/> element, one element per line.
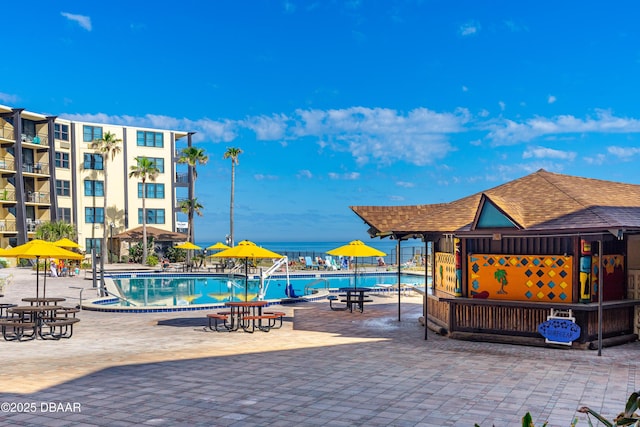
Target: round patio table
<point x="43" y="300"/>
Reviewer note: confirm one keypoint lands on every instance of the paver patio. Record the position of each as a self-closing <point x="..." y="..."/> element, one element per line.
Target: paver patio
<point x="323" y="368"/>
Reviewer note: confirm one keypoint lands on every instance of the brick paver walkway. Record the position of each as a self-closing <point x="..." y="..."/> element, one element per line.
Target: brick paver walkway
<point x="323" y="368"/>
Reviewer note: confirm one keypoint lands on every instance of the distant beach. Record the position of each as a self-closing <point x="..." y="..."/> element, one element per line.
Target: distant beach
<point x="409" y="248"/>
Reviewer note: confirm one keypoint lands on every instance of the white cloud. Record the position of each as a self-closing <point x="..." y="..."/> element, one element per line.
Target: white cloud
<point x="396" y="198"/>
<point x="506" y="132"/>
<point x="469" y="29"/>
<point x="624" y="153"/>
<point x="304" y="173"/>
<point x="596" y="160"/>
<point x="8" y="98"/>
<point x="83" y="21"/>
<point x="465" y="89"/>
<point x="267" y="128"/>
<point x="262" y="177"/>
<point x="551" y="99"/>
<point x="383" y="135"/>
<point x="347" y="176"/>
<point x="548" y="153"/>
<point x="502" y="105"/>
<point x="405" y="184"/>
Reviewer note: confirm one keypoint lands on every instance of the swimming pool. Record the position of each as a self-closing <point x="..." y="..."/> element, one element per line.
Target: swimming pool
<point x="156" y="290"/>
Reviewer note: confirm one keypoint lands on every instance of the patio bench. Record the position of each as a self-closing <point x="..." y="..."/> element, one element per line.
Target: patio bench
<point x="215" y="317"/>
<point x="59" y="327"/>
<point x="332" y="299"/>
<point x="18" y="330"/>
<point x="270" y="317"/>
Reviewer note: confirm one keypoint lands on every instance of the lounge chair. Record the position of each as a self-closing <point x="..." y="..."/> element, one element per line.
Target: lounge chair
<point x="329" y="263"/>
<point x="310" y="264"/>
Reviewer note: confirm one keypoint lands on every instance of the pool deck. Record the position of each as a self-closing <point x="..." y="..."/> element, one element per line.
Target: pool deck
<point x="323" y="368"/>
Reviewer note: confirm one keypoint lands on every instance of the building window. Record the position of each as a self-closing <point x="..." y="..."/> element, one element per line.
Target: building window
<point x="63" y="188"/>
<point x="64" y="214"/>
<point x="93" y="244"/>
<point x="93" y="188"/>
<point x="91" y="133"/>
<point x="62" y="160"/>
<point x="61" y="131"/>
<point x="93" y="161"/>
<point x="154" y="216"/>
<point x="153" y="191"/>
<point x="94" y="215"/>
<point x="158" y="162"/>
<point x="150" y="139"/>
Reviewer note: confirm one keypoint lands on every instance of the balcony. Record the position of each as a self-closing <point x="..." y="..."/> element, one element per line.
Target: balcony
<point x="7" y="195"/>
<point x="8" y="226"/>
<point x="39" y="197"/>
<point x="38" y="168"/>
<point x="7" y="164"/>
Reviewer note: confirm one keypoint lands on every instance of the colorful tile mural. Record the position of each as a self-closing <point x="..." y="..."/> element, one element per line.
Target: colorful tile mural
<point x="542" y="278"/>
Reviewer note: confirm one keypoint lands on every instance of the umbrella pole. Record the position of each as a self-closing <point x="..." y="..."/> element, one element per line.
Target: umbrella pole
<point x="399" y="273"/>
<point x="246" y="278"/>
<point x="37" y="276"/>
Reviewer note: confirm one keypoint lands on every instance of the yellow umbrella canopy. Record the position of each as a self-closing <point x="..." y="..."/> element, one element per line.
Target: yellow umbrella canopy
<point x="39" y="249"/>
<point x="66" y="243"/>
<point x="246" y="250"/>
<point x="188" y="246"/>
<point x="356" y="249"/>
<point x="218" y="246"/>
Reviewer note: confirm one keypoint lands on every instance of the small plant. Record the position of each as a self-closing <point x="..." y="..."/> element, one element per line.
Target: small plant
<point x="152" y="260"/>
<point x="626" y="418"/>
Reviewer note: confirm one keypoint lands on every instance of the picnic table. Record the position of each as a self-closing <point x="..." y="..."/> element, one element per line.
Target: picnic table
<point x="49" y="322"/>
<point x="351" y="297"/>
<point x="247" y="315"/>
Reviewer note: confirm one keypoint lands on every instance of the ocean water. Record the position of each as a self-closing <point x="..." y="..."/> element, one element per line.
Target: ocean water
<point x="408" y="249"/>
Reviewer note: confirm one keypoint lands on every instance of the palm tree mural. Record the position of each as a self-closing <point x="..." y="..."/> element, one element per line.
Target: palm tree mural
<point x="233" y="154"/>
<point x="145" y="169"/>
<point x="501" y="276"/>
<point x="109" y="147"/>
<point x="192" y="156"/>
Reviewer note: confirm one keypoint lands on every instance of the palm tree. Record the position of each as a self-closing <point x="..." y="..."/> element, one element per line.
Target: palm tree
<point x="232" y="153"/>
<point x="55" y="230"/>
<point x="192" y="156"/>
<point x="109" y="147"/>
<point x="190" y="207"/>
<point x="145" y="169"/>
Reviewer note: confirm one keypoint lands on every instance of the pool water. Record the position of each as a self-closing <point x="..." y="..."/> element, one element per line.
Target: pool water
<point x="181" y="291"/>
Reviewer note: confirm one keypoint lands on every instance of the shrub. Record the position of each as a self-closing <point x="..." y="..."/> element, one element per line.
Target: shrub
<point x="152" y="260"/>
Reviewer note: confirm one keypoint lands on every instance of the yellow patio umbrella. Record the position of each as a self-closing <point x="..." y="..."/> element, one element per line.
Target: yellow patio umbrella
<point x="246" y="250"/>
<point x="188" y="246"/>
<point x="66" y="243"/>
<point x="356" y="249"/>
<point x="218" y="246"/>
<point x="36" y="249"/>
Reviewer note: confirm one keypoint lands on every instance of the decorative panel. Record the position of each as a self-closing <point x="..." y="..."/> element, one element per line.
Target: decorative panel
<point x="543" y="278"/>
<point x="445" y="275"/>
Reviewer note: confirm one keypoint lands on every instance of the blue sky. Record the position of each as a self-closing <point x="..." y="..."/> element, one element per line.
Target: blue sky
<point x="339" y="103"/>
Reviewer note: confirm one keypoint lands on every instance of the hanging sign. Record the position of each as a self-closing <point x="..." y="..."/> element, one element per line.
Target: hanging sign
<point x="559" y="329"/>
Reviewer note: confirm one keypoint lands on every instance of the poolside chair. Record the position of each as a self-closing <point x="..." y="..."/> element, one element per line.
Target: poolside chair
<point x="329" y="263"/>
<point x="310" y="264"/>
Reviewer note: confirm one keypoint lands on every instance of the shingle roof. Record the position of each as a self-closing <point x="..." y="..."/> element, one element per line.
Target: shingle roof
<point x="541" y="201"/>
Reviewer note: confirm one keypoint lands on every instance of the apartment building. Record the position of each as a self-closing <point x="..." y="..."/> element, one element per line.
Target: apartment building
<point x="49" y="171"/>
